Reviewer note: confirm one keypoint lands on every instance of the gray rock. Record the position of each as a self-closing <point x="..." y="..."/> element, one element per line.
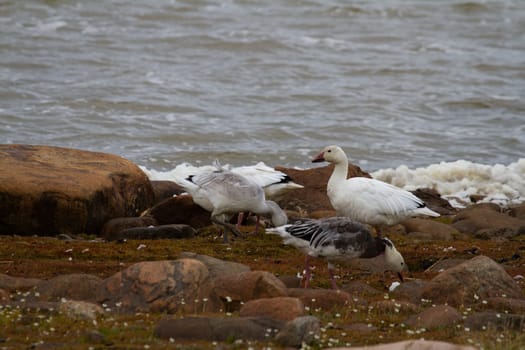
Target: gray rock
<point x="20" y="284"/>
<point x="429" y="230"/>
<point x="361" y="289"/>
<point x="471" y="282"/>
<point x="510" y="305"/>
<point x="488" y="221"/>
<point x="433" y="317"/>
<point x="80" y="310"/>
<point x="72" y="286"/>
<point x="444" y="264"/>
<point x="218" y="329"/>
<point x="411" y="291"/>
<point x="216" y="267"/>
<point x="500" y="321"/>
<point x="113" y="227"/>
<point x="298" y="331"/>
<point x="175" y="231"/>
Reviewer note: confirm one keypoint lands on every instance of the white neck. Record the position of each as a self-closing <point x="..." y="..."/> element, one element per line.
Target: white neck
<point x="279" y="217"/>
<point x="339" y="174"/>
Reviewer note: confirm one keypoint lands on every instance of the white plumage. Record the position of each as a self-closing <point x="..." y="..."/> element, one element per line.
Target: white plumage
<point x="274" y="183"/>
<point x="368" y="200"/>
<point x="338" y="238"/>
<point x="225" y="193"/>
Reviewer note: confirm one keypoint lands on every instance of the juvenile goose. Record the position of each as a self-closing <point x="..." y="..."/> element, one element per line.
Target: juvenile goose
<point x="368" y="200"/>
<point x="225" y="193"/>
<point x="338" y="238"/>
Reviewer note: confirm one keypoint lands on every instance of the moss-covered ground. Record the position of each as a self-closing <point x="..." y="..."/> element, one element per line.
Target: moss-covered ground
<point x="46" y="257"/>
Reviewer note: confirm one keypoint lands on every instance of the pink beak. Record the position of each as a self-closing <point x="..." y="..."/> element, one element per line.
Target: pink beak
<point x="319" y="158"/>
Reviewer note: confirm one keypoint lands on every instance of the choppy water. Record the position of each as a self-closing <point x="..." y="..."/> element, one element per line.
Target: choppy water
<point x="162" y="82"/>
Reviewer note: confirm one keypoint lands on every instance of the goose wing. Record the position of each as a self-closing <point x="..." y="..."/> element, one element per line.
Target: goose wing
<point x="382" y="198"/>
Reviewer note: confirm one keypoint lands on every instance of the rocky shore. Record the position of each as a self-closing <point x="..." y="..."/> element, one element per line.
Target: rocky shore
<point x="95" y="254"/>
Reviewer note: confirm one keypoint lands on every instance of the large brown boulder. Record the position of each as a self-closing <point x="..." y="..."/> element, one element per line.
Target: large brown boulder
<point x="313" y="196"/>
<point x="53" y="190"/>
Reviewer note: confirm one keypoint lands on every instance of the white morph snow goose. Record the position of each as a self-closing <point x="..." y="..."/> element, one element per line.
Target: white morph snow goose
<point x="338" y="238"/>
<point x="275" y="183"/>
<point x="225" y="193"/>
<point x="368" y="200"/>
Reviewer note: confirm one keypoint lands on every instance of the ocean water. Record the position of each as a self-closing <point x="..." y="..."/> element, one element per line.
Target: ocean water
<point x="407" y="88"/>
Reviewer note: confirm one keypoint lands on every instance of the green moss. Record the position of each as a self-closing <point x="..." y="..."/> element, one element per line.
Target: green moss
<point x="44" y="257"/>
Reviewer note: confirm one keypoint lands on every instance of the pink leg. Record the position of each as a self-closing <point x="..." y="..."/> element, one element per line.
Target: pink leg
<point x="332" y="276"/>
<point x="240" y="217"/>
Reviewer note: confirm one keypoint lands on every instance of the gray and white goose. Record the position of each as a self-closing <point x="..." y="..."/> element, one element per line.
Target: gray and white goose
<point x="339" y="239"/>
<point x="225" y="193"/>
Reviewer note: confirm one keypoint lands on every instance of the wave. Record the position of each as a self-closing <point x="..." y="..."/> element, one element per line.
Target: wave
<point x="463" y="182"/>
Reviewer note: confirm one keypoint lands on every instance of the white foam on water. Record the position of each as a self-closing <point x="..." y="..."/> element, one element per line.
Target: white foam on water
<point x="458" y="181"/>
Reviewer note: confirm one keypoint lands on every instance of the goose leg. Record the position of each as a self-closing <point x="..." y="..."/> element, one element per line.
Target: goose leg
<point x="227" y="226"/>
<point x="332" y="275"/>
<point x="257" y="224"/>
<point x="240" y="218"/>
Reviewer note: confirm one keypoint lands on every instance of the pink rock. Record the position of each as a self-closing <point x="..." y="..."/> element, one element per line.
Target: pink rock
<point x="438" y="316"/>
<point x="242" y="287"/>
<point x="280" y="308"/>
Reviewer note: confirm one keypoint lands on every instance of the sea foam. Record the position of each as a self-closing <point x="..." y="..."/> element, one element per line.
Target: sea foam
<point x="460" y="180"/>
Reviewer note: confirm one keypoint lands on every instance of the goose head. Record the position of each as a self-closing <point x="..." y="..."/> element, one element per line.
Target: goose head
<point x="393" y="259"/>
<point x="331" y="154"/>
<point x="279" y="217"/>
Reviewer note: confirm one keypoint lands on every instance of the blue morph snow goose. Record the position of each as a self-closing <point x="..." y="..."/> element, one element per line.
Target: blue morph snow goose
<point x="368" y="200"/>
<point x="338" y="239"/>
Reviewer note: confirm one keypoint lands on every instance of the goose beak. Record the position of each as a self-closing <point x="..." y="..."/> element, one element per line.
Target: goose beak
<point x="319" y="158"/>
<point x="400" y="276"/>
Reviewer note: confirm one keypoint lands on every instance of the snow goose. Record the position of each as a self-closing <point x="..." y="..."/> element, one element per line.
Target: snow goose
<point x="275" y="183"/>
<point x="338" y="238"/>
<point x="368" y="200"/>
<point x="225" y="193"/>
